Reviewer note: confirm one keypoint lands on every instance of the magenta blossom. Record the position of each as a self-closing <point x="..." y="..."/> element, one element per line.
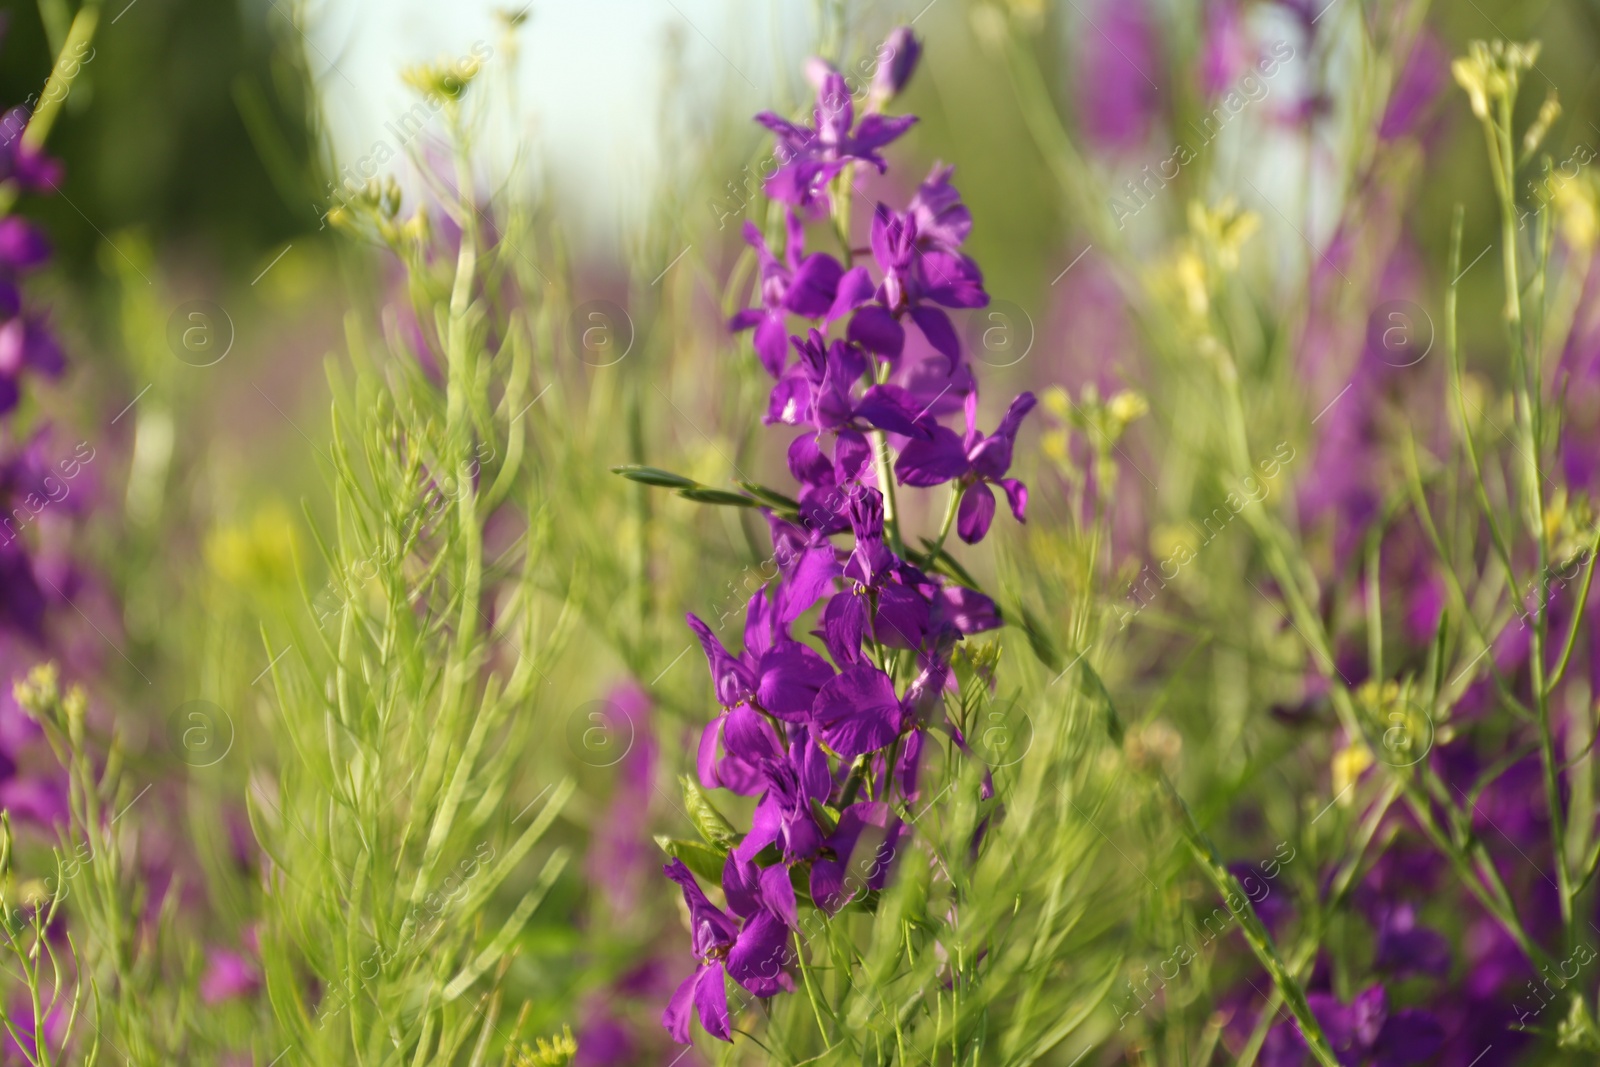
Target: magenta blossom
<point x="977" y="460"/>
<point x="751" y="953"/>
<point x="796" y="285"/>
<point x="810" y="157"/>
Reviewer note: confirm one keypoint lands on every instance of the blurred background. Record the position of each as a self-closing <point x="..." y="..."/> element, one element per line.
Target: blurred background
<point x="205" y="141"/>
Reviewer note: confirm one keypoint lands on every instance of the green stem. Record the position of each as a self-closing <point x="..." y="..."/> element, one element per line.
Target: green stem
<point x="1529" y="390"/>
<point x="880" y="456"/>
<point x="957" y="488"/>
<point x="59" y="84"/>
<point x="1577" y="616"/>
<point x="1255" y="932"/>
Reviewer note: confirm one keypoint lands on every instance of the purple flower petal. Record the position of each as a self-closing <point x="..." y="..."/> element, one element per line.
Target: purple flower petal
<point x="708" y="924"/>
<point x="711" y="1002"/>
<point x="807" y="462"/>
<point x="1408" y="1038"/>
<point x="1017" y="497"/>
<point x="935" y="326"/>
<point x="873" y="328"/>
<point x="887" y="407"/>
<point x="777" y="891"/>
<point x="844" y="624"/>
<point x="814" y="285"/>
<point x="772" y="344"/>
<point x="942" y="218"/>
<point x="924" y="464"/>
<point x="966" y="610"/>
<point x="749" y="737"/>
<point x="676" y="1016"/>
<point x="756" y="959"/>
<point x="951" y="279"/>
<point x="876" y="131"/>
<point x="852" y="458"/>
<point x="975" y="514"/>
<point x="903" y="617"/>
<point x="897" y="60"/>
<point x="858" y="711"/>
<point x="23" y="246"/>
<point x="855" y="288"/>
<point x="732" y="678"/>
<point x="790" y="676"/>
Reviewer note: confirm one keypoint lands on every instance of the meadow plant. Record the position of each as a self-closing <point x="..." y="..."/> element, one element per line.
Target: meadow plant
<point x="1248" y="715"/>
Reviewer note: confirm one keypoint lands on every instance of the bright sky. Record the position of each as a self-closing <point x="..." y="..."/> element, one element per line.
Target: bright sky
<point x="591" y="72"/>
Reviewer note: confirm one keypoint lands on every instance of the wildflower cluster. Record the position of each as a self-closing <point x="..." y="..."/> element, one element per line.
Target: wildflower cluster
<point x="832" y="745"/>
<point x="27" y="348"/>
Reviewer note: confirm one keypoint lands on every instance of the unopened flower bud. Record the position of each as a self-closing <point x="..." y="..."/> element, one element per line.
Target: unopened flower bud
<point x="75" y="707"/>
<point x="38" y="690"/>
<point x="897" y="61"/>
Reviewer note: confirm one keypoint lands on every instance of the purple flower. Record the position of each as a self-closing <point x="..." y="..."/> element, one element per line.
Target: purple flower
<point x="897" y="61"/>
<point x="1120" y="56"/>
<point x="898" y="604"/>
<point x="840" y="876"/>
<point x="228" y="976"/>
<point x="751" y="953"/>
<point x="921" y="274"/>
<point x="1228" y="52"/>
<point x="798" y="285"/>
<point x="977" y="460"/>
<point x="620" y="854"/>
<point x="751" y="888"/>
<point x="858" y="711"/>
<point x="784" y="816"/>
<point x="817" y="392"/>
<point x="30" y="168"/>
<point x="36" y="799"/>
<point x="1406" y="947"/>
<point x="807" y="565"/>
<point x="1363" y="1033"/>
<point x="942" y="218"/>
<point x="1425" y="74"/>
<point x="23" y="246"/>
<point x="743" y="738"/>
<point x="775" y="672"/>
<point x="26" y="343"/>
<point x="811" y="157"/>
<point x="22" y="598"/>
<point x="792" y="722"/>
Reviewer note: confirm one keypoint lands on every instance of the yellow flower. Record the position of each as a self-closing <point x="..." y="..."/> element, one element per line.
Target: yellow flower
<point x="556" y="1052"/>
<point x="1579" y="215"/>
<point x="1127" y="406"/>
<point x="1168" y="540"/>
<point x="1490" y="72"/>
<point x="447" y="78"/>
<point x="1348" y="766"/>
<point x="260" y="552"/>
<point x="1190" y="270"/>
<point x="1223" y="230"/>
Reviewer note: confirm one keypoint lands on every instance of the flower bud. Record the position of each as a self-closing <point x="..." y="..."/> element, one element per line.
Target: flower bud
<point x="897" y="61"/>
<point x="38" y="690"/>
<point x="75" y="707"/>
